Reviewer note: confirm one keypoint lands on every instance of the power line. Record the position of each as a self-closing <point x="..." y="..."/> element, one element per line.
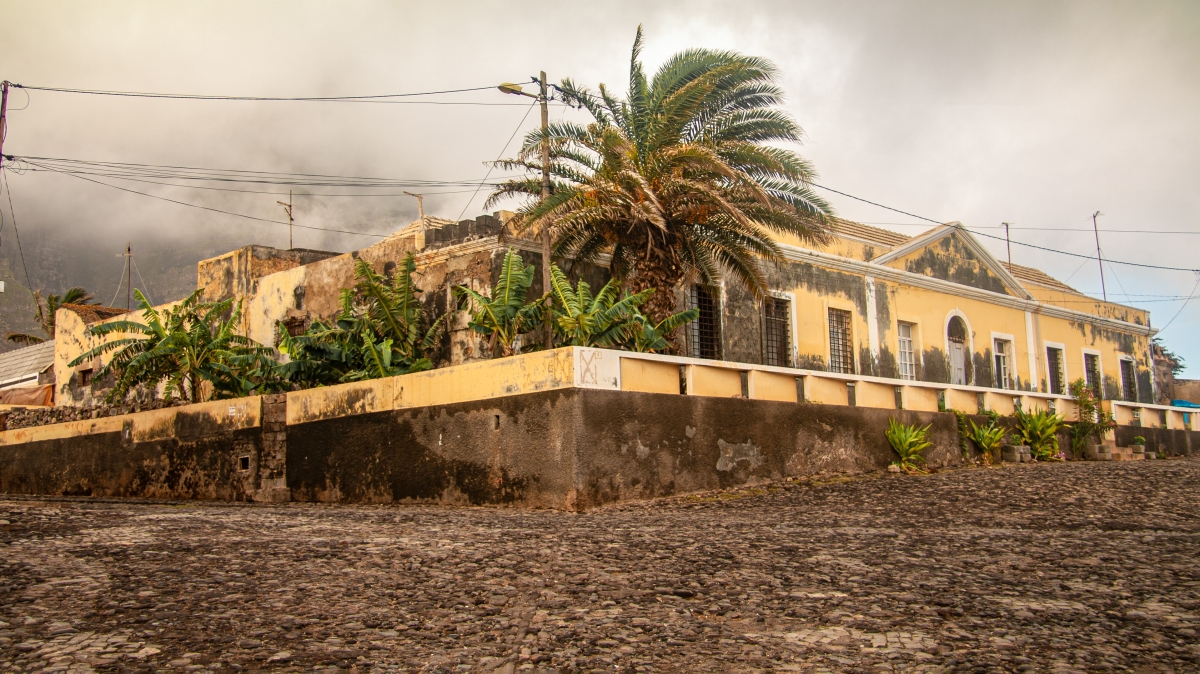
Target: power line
<point x="1000" y="238"/>
<point x="1160" y="330"/>
<point x="500" y="156"/>
<point x="217" y="210"/>
<point x="1056" y="229"/>
<point x="208" y="97"/>
<point x="8" y="192"/>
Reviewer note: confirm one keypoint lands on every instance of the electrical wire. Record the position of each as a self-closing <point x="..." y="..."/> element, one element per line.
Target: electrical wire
<point x="498" y="158"/>
<point x="145" y="290"/>
<point x="16" y="232"/>
<point x="1001" y="238"/>
<point x="1160" y="330"/>
<point x="217" y="210"/>
<point x="121" y="282"/>
<point x="1055" y="229"/>
<point x="206" y="97"/>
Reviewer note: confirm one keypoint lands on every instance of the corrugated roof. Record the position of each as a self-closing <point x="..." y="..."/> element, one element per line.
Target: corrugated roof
<point x="26" y="362"/>
<point x="1037" y="276"/>
<point x="882" y="237"/>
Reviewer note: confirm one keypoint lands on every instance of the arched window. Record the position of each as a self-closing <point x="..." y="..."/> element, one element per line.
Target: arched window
<point x="956" y="342"/>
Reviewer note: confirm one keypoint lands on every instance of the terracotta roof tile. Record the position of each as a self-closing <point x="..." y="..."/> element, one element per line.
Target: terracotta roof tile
<point x="1037" y="276"/>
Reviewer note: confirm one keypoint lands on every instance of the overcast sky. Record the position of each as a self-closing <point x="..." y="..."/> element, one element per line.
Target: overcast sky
<point x="1037" y="114"/>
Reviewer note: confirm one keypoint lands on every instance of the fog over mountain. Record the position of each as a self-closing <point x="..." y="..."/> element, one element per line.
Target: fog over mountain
<point x="1036" y="114"/>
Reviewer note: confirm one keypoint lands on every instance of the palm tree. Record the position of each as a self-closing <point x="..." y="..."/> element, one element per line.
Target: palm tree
<point x="46" y="309"/>
<point x="676" y="181"/>
<point x="184" y="345"/>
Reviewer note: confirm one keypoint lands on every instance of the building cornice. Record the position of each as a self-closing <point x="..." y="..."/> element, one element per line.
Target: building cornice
<point x="884" y="272"/>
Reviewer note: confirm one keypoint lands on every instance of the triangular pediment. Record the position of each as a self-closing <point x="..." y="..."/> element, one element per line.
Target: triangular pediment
<point x="949" y="252"/>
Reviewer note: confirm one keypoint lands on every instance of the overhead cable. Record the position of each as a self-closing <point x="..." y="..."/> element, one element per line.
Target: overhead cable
<point x="1001" y="238"/>
<point x="213" y="97"/>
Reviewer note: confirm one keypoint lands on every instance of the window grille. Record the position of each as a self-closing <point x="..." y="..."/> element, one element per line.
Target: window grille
<point x="1054" y="362"/>
<point x="1128" y="381"/>
<point x="1091" y="371"/>
<point x="777" y="328"/>
<point x="908" y="364"/>
<point x="1002" y="351"/>
<point x="705" y="332"/>
<point x="841" y="349"/>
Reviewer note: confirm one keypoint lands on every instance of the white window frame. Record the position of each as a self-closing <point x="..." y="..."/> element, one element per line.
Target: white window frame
<point x="1010" y="358"/>
<point x="1066" y="378"/>
<point x="913" y="330"/>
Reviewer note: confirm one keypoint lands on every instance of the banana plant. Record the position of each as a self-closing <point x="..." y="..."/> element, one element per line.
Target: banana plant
<point x="646" y="336"/>
<point x="380" y="331"/>
<point x="592" y="320"/>
<point x="504" y="315"/>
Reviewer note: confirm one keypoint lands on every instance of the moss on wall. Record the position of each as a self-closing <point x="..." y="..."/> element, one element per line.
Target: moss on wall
<point x="935" y="366"/>
<point x="951" y="260"/>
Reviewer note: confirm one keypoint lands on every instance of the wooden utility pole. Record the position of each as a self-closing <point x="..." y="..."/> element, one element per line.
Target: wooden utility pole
<point x="1099" y="259"/>
<point x="288" y="207"/>
<point x="128" y="276"/>
<point x="3" y="119"/>
<point x="546" y="285"/>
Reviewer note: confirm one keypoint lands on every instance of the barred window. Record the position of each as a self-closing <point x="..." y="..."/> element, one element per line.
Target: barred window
<point x="705" y="332"/>
<point x="1128" y="381"/>
<point x="908" y="363"/>
<point x="1054" y="363"/>
<point x="1091" y="373"/>
<point x="777" y="330"/>
<point x="841" y="349"/>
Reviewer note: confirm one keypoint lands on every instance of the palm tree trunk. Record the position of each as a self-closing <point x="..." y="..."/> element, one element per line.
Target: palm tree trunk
<point x="663" y="303"/>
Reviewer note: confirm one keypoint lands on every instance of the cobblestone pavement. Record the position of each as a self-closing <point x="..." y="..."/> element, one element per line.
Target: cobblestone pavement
<point x="1059" y="567"/>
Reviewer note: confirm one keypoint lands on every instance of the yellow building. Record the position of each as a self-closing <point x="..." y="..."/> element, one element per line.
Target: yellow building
<point x="936" y="307"/>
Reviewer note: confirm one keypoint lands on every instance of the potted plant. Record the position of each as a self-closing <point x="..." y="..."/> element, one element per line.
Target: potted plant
<point x="1139" y="445"/>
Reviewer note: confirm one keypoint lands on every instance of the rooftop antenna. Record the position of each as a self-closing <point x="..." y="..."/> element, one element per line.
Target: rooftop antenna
<point x="420" y="207"/>
<point x="288" y="208"/>
<point x="1099" y="259"/>
<point x="1008" y="243"/>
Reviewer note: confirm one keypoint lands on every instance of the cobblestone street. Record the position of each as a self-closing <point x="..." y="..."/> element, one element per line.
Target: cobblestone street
<point x="1045" y="567"/>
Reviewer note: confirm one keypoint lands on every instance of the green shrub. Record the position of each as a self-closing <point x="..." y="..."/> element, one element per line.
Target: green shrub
<point x="909" y="441"/>
<point x="1039" y="430"/>
<point x="1139" y="440"/>
<point x="1091" y="422"/>
<point x="989" y="438"/>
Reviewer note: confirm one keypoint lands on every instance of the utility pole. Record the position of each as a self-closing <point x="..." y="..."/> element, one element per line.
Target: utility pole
<point x="128" y="276"/>
<point x="1099" y="259"/>
<point x="1008" y="243"/>
<point x="3" y="119"/>
<point x="288" y="207"/>
<point x="543" y="97"/>
<point x="546" y="195"/>
<point x="420" y="207"/>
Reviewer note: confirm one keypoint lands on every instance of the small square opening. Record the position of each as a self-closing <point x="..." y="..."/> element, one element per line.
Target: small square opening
<point x="85" y="376"/>
<point x="243" y="463"/>
<point x="496" y="422"/>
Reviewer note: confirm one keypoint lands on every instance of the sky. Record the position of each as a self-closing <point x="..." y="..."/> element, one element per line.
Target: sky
<point x="1038" y="114"/>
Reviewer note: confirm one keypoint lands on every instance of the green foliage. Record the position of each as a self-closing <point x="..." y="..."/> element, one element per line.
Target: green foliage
<point x="1039" y="430"/>
<point x="504" y="315"/>
<point x="683" y="177"/>
<point x="989" y="438"/>
<point x="1139" y="440"/>
<point x="1091" y="422"/>
<point x="46" y="310"/>
<point x="592" y="320"/>
<point x="183" y="346"/>
<point x="910" y="442"/>
<point x="381" y="331"/>
<point x="964" y="432"/>
<point x="647" y="336"/>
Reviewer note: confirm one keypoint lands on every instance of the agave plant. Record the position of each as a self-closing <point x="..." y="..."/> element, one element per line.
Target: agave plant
<point x="592" y="320"/>
<point x="381" y="331"/>
<point x="1039" y="430"/>
<point x="910" y="442"/>
<point x="183" y="346"/>
<point x="504" y="316"/>
<point x="989" y="438"/>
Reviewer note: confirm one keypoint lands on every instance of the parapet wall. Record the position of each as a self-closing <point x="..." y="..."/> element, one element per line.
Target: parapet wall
<point x="568" y="428"/>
